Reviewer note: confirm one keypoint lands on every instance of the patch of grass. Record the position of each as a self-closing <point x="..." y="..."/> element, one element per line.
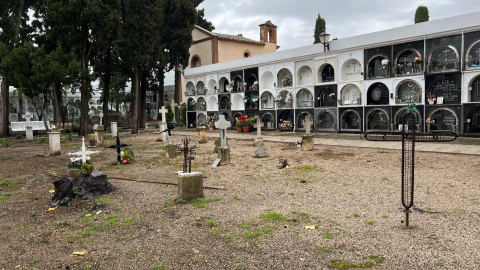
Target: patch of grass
<point x="8" y="183"/>
<point x="103" y="200"/>
<point x="438" y="264"/>
<point x="5" y="143"/>
<point x="227" y="238"/>
<point x="306" y="168"/>
<point x="210" y="222"/>
<point x="327" y="236"/>
<point x="111" y="220"/>
<point x="370" y="222"/>
<point x="129" y="255"/>
<point x="385" y="216"/>
<point x="2" y="214"/>
<point x="162" y="266"/>
<point x="377" y="258"/>
<point x="201" y="202"/>
<point x="5" y="157"/>
<point x="348" y="217"/>
<point x="35" y="261"/>
<point x="253" y="235"/>
<point x="273" y="216"/>
<point x="356" y="215"/>
<point x="323" y="249"/>
<point x="236" y="198"/>
<point x="42" y="139"/>
<point x="329" y="154"/>
<point x="4" y="198"/>
<point x="247" y="224"/>
<point x="344" y="265"/>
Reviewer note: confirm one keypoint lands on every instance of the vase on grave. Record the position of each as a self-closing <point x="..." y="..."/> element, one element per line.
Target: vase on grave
<point x="73" y="173"/>
<point x="246" y="129"/>
<point x="239" y="129"/>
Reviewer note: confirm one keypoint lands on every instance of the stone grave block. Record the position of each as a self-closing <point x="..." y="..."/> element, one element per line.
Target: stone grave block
<point x="224" y="154"/>
<point x="202" y="135"/>
<point x="54" y="142"/>
<point x="114" y="129"/>
<point x="190" y="185"/>
<point x="261" y="151"/>
<point x="307" y="143"/>
<point x="170" y="151"/>
<point x="100" y="131"/>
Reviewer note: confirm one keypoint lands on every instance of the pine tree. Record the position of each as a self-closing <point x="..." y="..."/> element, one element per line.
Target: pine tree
<point x="319" y="28"/>
<point x="422" y="15"/>
<point x="202" y="22"/>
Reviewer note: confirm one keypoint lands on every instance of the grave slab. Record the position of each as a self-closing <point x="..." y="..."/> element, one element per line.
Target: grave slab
<point x="54" y="142"/>
<point x="100" y="131"/>
<point x="307" y="142"/>
<point x="114" y="128"/>
<point x="190" y="185"/>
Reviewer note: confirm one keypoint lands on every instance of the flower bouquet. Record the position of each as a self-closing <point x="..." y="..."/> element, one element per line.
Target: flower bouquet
<point x="430" y="121"/>
<point x="418" y="60"/>
<point x="385" y="63"/>
<point x="287" y="81"/>
<point x="278" y="98"/>
<point x="286" y="125"/>
<point x="127" y="156"/>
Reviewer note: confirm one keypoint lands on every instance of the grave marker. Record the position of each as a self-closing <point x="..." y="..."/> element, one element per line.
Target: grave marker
<point x="119" y="147"/>
<point x="259" y="138"/>
<point x="28" y="127"/>
<point x="307" y="139"/>
<point x="307" y="123"/>
<point x="408" y="137"/>
<point x="163" y="124"/>
<point x="170" y="146"/>
<point x="186" y="150"/>
<point x="223" y="150"/>
<point x="174" y="106"/>
<point x="83" y="152"/>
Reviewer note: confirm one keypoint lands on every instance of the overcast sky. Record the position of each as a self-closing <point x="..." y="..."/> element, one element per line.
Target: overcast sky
<point x="344" y="18"/>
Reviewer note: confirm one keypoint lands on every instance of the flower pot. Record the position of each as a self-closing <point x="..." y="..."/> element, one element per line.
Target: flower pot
<point x="246" y="129"/>
<point x="93" y="143"/>
<point x="239" y="129"/>
<point x="73" y="173"/>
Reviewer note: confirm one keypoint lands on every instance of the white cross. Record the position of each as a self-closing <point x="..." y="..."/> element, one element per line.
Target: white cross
<point x="307" y="122"/>
<point x="259" y="126"/>
<point x="83" y="152"/>
<point x="101" y="118"/>
<point x="163" y="111"/>
<point x="223" y="124"/>
<point x="174" y="105"/>
<point x="28" y="116"/>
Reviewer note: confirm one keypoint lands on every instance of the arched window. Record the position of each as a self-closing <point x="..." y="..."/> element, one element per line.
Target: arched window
<point x="305" y="76"/>
<point x="475" y="90"/>
<point x="378" y="67"/>
<point x="327" y="73"/>
<point x="473" y="56"/>
<point x="325" y="120"/>
<point x="196" y="61"/>
<point x="408" y="91"/>
<point x="443" y="59"/>
<point x="304" y="99"/>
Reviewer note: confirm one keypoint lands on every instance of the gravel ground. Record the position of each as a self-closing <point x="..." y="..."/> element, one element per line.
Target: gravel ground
<point x="349" y="198"/>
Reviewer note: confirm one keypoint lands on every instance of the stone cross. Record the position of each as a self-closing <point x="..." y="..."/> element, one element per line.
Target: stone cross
<point x="307" y="123"/>
<point x="259" y="126"/>
<point x="408" y="137"/>
<point x="174" y="105"/>
<point x="83" y="152"/>
<point x="163" y="111"/>
<point x="223" y="124"/>
<point x="28" y="116"/>
<point x="101" y="118"/>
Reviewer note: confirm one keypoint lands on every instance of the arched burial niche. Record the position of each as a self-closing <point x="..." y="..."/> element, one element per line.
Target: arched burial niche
<point x="305" y="76"/>
<point x="398" y="119"/>
<point x="223" y="85"/>
<point x="326" y="98"/>
<point x="325" y="120"/>
<point x="304" y="99"/>
<point x="284" y="100"/>
<point x="252" y="83"/>
<point x="350" y="95"/>
<point x="405" y="62"/>
<point x="237" y="84"/>
<point x="408" y="91"/>
<point x="212" y="104"/>
<point x="190" y="89"/>
<point x="443" y="119"/>
<point x="326" y="73"/>
<point x="285" y="115"/>
<point x="267" y="100"/>
<point x="212" y="87"/>
<point x="473" y="56"/>
<point x="350" y="120"/>
<point x="352" y="70"/>
<point x="201" y="90"/>
<point x="443" y="59"/>
<point x="267" y="81"/>
<point x="474" y="90"/>
<point x="191" y="104"/>
<point x="201" y="104"/>
<point x="284" y="78"/>
<point x="378" y="66"/>
<point x="225" y="103"/>
<point x="237" y="102"/>
<point x="377" y="119"/>
<point x="268" y="121"/>
<point x="377" y="94"/>
<point x="202" y="119"/>
<point x="302" y="117"/>
<point x="473" y="120"/>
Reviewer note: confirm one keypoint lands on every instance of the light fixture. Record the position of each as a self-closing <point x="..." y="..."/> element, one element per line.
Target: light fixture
<point x="324" y="37"/>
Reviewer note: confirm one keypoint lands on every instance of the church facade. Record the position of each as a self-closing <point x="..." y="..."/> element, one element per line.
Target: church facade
<point x="361" y="83"/>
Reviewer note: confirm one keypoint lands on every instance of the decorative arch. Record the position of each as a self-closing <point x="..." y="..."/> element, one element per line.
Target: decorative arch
<point x="305" y="76"/>
<point x="377" y="94"/>
<point x="352" y="70"/>
<point x="196" y="61"/>
<point x="223" y="85"/>
<point x="237" y="102"/>
<point x="267" y="81"/>
<point x="268" y="120"/>
<point x="326" y="73"/>
<point x="326" y="97"/>
<point x="408" y="91"/>
<point x="201" y="104"/>
<point x="300" y="119"/>
<point x="350" y="120"/>
<point x="191" y="104"/>
<point x="237" y="83"/>
<point x="376" y="67"/>
<point x="252" y="83"/>
<point x="304" y="98"/>
<point x="474" y="90"/>
<point x="212" y="87"/>
<point x="284" y="78"/>
<point x="350" y="95"/>
<point x="201" y="119"/>
<point x="444" y="119"/>
<point x="190" y="89"/>
<point x="472" y="61"/>
<point x="405" y="62"/>
<point x="443" y="59"/>
<point x="267" y="100"/>
<point x="398" y="119"/>
<point x="325" y="120"/>
<point x="377" y="119"/>
<point x="225" y="103"/>
<point x="212" y="104"/>
<point x="201" y="88"/>
<point x="473" y="120"/>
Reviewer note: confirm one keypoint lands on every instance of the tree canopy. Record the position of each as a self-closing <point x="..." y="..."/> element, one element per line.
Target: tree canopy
<point x="422" y="15"/>
<point x="319" y="28"/>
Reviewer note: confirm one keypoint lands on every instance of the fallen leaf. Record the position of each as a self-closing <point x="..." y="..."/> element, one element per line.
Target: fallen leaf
<point x="51" y="209"/>
<point x="52" y="191"/>
<point x="98" y="212"/>
<point x="80" y="252"/>
<point x="88" y="215"/>
<point x="311" y="227"/>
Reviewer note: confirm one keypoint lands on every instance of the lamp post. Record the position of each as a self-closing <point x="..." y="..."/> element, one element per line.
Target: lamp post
<point x="324" y="40"/>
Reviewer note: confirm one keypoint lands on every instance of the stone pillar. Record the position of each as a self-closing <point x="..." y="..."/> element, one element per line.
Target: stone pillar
<point x="190" y="185"/>
<point x="54" y="142"/>
<point x="170" y="151"/>
<point x="202" y="135"/>
<point x="100" y="135"/>
<point x="29" y="133"/>
<point x="114" y="129"/>
<point x="163" y="126"/>
<point x="307" y="142"/>
<point x="224" y="154"/>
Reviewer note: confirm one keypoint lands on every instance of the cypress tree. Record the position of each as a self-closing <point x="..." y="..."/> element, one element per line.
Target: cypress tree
<point x="422" y="15"/>
<point x="319" y="28"/>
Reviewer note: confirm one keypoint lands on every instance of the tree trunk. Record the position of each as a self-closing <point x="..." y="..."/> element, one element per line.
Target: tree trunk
<point x="5" y="107"/>
<point x="161" y="93"/>
<point x="57" y="104"/>
<point x="143" y="97"/>
<point x="84" y="93"/>
<point x="178" y="93"/>
<point x="106" y="90"/>
<point x="136" y="98"/>
<point x="45" y="119"/>
<point x="20" y="104"/>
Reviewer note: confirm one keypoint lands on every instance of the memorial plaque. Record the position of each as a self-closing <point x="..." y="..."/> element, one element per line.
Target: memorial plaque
<point x="216" y="163"/>
<point x="447" y="88"/>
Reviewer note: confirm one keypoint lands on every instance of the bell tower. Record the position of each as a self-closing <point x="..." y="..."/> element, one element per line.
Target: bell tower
<point x="268" y="32"/>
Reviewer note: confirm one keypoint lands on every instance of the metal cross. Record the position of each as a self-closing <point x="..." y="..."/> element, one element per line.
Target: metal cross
<point x="307" y="123"/>
<point x="408" y="137"/>
<point x="170" y="126"/>
<point x="223" y="124"/>
<point x="185" y="150"/>
<point x="118" y="146"/>
<point x="83" y="152"/>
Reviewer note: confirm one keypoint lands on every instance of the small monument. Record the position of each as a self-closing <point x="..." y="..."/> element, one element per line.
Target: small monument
<point x="28" y="127"/>
<point x="259" y="138"/>
<point x="223" y="150"/>
<point x="119" y="147"/>
<point x="100" y="131"/>
<point x="307" y="139"/>
<point x="170" y="146"/>
<point x="163" y="124"/>
<point x="202" y="134"/>
<point x="83" y="152"/>
<point x="54" y="142"/>
<point x="190" y="184"/>
<point x="114" y="129"/>
<point x="261" y="151"/>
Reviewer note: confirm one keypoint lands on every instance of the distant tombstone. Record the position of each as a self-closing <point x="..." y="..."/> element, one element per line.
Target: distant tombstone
<point x="223" y="150"/>
<point x="307" y="123"/>
<point x="258" y="139"/>
<point x="28" y="127"/>
<point x="261" y="151"/>
<point x="101" y="118"/>
<point x="216" y="163"/>
<point x="202" y="134"/>
<point x="174" y="105"/>
<point x="163" y="124"/>
<point x="307" y="139"/>
<point x="54" y="142"/>
<point x="114" y="129"/>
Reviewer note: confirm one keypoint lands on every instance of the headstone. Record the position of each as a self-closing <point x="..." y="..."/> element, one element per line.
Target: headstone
<point x="28" y="127"/>
<point x="261" y="151"/>
<point x="307" y="142"/>
<point x="190" y="185"/>
<point x="100" y="132"/>
<point x="54" y="142"/>
<point x="259" y="138"/>
<point x="202" y="135"/>
<point x="307" y="123"/>
<point x="163" y="124"/>
<point x="83" y="152"/>
<point x="217" y="145"/>
<point x="114" y="129"/>
<point x="223" y="150"/>
<point x="216" y="163"/>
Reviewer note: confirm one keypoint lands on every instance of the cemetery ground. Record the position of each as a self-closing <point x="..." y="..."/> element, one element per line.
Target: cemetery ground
<point x="332" y="208"/>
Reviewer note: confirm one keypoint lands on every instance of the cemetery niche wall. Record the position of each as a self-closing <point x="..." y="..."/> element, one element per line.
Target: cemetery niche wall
<point x="325" y="120"/>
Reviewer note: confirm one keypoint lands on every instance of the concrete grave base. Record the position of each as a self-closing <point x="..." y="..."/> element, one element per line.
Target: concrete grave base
<point x="29" y="133"/>
<point x="224" y="154"/>
<point x="307" y="143"/>
<point x="257" y="141"/>
<point x="100" y="135"/>
<point x="202" y="135"/>
<point x="170" y="150"/>
<point x="54" y="142"/>
<point x="217" y="145"/>
<point x="190" y="185"/>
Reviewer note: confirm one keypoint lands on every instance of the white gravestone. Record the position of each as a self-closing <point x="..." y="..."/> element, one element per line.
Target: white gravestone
<point x="28" y="127"/>
<point x="101" y="118"/>
<point x="114" y="129"/>
<point x="163" y="124"/>
<point x="307" y="123"/>
<point x="223" y="124"/>
<point x="83" y="152"/>
<point x="174" y="105"/>
<point x="259" y="127"/>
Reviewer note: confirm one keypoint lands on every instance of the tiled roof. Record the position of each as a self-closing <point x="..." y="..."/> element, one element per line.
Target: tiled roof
<point x="239" y="38"/>
<point x="395" y="35"/>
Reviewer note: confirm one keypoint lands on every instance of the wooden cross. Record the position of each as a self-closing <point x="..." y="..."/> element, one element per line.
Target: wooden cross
<point x="118" y="146"/>
<point x="259" y="126"/>
<point x="185" y="150"/>
<point x="307" y="123"/>
<point x="83" y="152"/>
<point x="223" y="124"/>
<point x="408" y="137"/>
<point x="163" y="111"/>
